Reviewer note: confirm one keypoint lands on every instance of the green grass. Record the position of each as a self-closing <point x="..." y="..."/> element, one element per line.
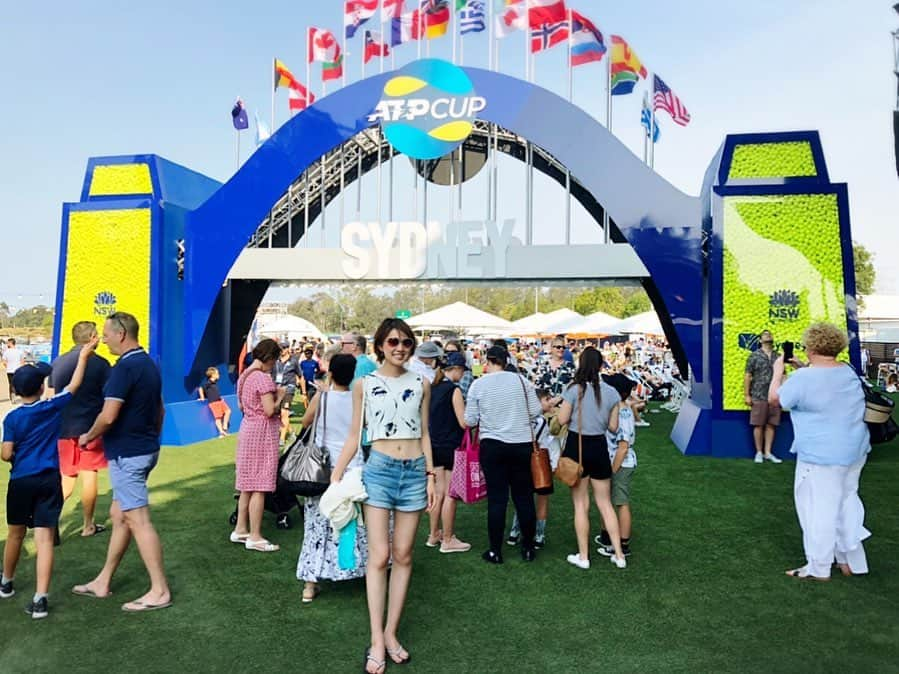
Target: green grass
<point x="704" y="589"/>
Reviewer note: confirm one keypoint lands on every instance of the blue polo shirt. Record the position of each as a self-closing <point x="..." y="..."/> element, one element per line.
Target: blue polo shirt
<point x="34" y="428"/>
<point x="310" y="368"/>
<point x="134" y="381"/>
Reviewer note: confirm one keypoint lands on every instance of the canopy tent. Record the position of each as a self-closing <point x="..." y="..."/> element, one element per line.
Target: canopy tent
<point x="646" y="323"/>
<point x="596" y="324"/>
<point x="286" y="326"/>
<point x="460" y="317"/>
<point x="528" y="324"/>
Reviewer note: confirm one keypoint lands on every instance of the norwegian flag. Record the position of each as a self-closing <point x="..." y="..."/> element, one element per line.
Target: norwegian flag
<point x="357" y="12"/>
<point x="664" y="99"/>
<point x="548" y="35"/>
<point x="391" y="9"/>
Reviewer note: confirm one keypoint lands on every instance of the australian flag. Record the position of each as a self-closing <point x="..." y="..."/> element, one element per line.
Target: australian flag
<point x="239" y="116"/>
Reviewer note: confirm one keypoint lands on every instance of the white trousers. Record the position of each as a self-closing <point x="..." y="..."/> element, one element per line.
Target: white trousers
<point x="831" y="515"/>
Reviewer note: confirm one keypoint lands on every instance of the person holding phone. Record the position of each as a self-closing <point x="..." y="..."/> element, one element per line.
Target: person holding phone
<point x="764" y="417"/>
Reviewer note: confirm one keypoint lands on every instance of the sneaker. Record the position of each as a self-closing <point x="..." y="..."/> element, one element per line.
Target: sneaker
<point x="578" y="562"/>
<point x="528" y="554"/>
<point x="540" y="541"/>
<point x="773" y="459"/>
<point x="606" y="550"/>
<point x="620" y="562"/>
<point x="513" y="539"/>
<point x="454" y="545"/>
<point x="603" y="538"/>
<point x="641" y="423"/>
<point x="6" y="590"/>
<point x="434" y="542"/>
<point x="626" y="549"/>
<point x="759" y="457"/>
<point x="491" y="557"/>
<point x="37" y="609"/>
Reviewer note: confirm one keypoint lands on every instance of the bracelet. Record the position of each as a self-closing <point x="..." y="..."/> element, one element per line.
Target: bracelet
<point x="431" y="473"/>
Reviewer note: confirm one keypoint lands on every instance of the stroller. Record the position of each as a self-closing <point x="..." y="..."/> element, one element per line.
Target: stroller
<point x="280" y="502"/>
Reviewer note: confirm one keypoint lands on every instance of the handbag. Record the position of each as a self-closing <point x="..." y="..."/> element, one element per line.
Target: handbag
<point x="569" y="471"/>
<point x="541" y="471"/>
<point x="879" y="415"/>
<point x="467" y="482"/>
<point x="307" y="465"/>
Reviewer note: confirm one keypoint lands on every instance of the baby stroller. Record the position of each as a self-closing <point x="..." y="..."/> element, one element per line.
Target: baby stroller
<point x="280" y="502"/>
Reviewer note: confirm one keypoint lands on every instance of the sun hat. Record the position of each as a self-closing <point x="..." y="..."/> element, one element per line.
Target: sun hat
<point x="428" y="350"/>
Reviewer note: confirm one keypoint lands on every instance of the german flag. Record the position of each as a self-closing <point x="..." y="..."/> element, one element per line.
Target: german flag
<point x="283" y="77"/>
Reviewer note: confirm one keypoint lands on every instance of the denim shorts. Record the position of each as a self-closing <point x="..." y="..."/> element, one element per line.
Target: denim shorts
<point x="128" y="477"/>
<point x="395" y="484"/>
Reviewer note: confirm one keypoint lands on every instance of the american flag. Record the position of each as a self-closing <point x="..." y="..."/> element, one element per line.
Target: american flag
<point x="664" y="99"/>
<point x="548" y="35"/>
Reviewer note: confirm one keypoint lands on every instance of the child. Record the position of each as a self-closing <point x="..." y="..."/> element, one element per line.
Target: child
<point x="34" y="497"/>
<point x="209" y="391"/>
<point x="546" y="437"/>
<point x="624" y="462"/>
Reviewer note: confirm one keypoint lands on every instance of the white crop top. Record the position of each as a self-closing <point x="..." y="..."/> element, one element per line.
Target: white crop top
<point x="393" y="406"/>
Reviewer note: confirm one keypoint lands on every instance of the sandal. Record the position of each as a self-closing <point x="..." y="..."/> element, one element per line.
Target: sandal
<point x="261" y="545"/>
<point x="802" y="575"/>
<point x="310" y="593"/>
<point x="397" y="652"/>
<point x="238" y="538"/>
<point x="381" y="665"/>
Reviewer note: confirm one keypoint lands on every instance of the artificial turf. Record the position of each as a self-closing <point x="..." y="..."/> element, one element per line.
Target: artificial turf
<point x="704" y="589"/>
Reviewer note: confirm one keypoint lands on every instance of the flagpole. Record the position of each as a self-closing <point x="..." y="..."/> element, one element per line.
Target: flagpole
<point x="646" y="134"/>
<point x="567" y="170"/>
<point x="452" y="9"/>
<point x="274" y="87"/>
<point x="605" y="212"/>
<point x="652" y="121"/>
<point x="359" y="164"/>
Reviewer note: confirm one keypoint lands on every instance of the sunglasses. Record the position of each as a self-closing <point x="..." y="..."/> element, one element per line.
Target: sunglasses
<point x="393" y="342"/>
<point x="558" y="346"/>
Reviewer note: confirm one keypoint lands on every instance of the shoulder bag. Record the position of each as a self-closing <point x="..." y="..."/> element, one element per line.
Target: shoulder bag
<point x="541" y="472"/>
<point x="568" y="470"/>
<point x="307" y="465"/>
<point x="879" y="415"/>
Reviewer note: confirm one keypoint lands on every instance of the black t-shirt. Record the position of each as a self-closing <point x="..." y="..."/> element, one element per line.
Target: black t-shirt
<point x="79" y="415"/>
<point x="443" y="426"/>
<point x="136" y="382"/>
<point x="211" y="391"/>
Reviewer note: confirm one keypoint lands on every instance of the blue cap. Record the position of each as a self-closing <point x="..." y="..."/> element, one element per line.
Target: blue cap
<point x="27" y="379"/>
<point x="455" y="359"/>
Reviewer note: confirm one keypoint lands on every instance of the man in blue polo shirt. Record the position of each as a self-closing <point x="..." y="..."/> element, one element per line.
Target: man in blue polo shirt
<point x="130" y="423"/>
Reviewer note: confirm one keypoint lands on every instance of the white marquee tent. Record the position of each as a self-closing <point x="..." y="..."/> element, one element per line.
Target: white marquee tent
<point x="646" y="323"/>
<point x="460" y="317"/>
<point x="286" y="326"/>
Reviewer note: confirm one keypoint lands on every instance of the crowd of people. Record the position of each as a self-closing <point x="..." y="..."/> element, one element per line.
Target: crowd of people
<point x="391" y="427"/>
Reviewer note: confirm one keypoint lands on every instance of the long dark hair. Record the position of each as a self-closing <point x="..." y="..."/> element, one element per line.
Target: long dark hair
<point x="587" y="373"/>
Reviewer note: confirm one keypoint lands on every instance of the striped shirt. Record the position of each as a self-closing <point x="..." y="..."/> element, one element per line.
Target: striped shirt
<point x="496" y="403"/>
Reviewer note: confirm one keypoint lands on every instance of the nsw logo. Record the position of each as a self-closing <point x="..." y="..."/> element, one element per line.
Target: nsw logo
<point x="428" y="109"/>
<point x="104" y="303"/>
<point x="783" y="305"/>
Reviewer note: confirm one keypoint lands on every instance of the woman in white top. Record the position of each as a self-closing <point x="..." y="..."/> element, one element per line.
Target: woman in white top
<point x="398" y="477"/>
<point x="318" y="556"/>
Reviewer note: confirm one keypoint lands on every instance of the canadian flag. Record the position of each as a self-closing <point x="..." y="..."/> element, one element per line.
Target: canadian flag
<point x="511" y="18"/>
<point x="323" y="45"/>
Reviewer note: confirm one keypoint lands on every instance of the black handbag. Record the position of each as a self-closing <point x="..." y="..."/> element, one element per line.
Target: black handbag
<point x="306" y="467"/>
<point x="879" y="415"/>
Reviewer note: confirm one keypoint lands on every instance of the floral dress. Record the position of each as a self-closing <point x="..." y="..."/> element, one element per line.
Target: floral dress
<point x="257" y="444"/>
<point x="553" y="380"/>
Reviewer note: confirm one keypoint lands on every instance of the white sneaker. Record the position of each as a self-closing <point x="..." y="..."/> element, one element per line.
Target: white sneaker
<point x="578" y="562"/>
<point x="620" y="562"/>
<point x="641" y="423"/>
<point x="773" y="459"/>
<point x="759" y="457"/>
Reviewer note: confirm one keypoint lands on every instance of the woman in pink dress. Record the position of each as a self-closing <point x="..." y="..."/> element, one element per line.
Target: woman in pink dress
<point x="257" y="445"/>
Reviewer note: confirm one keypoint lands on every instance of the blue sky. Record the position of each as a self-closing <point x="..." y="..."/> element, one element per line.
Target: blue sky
<point x="105" y="78"/>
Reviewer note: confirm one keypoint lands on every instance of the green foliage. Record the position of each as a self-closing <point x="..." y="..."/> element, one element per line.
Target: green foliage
<point x="865" y="274"/>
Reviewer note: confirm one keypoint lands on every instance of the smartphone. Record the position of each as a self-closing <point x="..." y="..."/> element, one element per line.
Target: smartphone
<point x="787" y="351"/>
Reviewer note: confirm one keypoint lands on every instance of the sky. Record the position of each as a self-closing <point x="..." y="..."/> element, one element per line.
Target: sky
<point x="106" y="78"/>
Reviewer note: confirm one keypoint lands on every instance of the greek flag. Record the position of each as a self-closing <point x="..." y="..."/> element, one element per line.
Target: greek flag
<point x="472" y="18"/>
<point x="645" y="117"/>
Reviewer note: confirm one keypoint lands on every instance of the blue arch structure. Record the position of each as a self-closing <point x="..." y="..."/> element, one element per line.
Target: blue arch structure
<point x="672" y="233"/>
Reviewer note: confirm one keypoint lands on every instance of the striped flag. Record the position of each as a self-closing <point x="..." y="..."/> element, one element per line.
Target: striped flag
<point x="472" y="17"/>
<point x="410" y="26"/>
<point x="357" y="12"/>
<point x="298" y="97"/>
<point x="664" y="99"/>
<point x="587" y="43"/>
<point x="391" y="9"/>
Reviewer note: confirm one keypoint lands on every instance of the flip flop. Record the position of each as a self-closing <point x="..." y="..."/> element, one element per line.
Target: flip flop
<point x="238" y="538"/>
<point x="139" y="606"/>
<point x="797" y="573"/>
<point x="85" y="591"/>
<point x="380" y="664"/>
<point x="261" y="545"/>
<point x="396" y="653"/>
<point x="98" y="529"/>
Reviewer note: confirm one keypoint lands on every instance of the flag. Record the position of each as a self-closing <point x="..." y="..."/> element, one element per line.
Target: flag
<point x="664" y="99"/>
<point x="587" y="43"/>
<point x="262" y="132"/>
<point x="357" y="12"/>
<point x="374" y="46"/>
<point x="239" y="116"/>
<point x="626" y="67"/>
<point x="646" y="118"/>
<point x="283" y="77"/>
<point x="333" y="70"/>
<point x="436" y="17"/>
<point x="298" y="97"/>
<point x="511" y="18"/>
<point x="471" y="16"/>
<point x="391" y="9"/>
<point x="548" y="35"/>
<point x="541" y="12"/>
<point x="323" y="45"/>
<point x="406" y="28"/>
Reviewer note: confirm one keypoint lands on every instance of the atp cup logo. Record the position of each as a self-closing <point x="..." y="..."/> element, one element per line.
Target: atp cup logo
<point x="428" y="109"/>
<point x="104" y="304"/>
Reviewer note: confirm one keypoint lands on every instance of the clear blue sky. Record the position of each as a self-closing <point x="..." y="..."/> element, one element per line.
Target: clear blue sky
<point x="105" y="78"/>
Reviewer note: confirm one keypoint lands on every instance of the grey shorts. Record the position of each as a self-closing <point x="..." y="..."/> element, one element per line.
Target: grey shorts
<point x="621" y="486"/>
<point x="128" y="477"/>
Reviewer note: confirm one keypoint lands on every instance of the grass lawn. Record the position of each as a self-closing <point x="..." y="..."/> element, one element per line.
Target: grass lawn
<point x="704" y="589"/>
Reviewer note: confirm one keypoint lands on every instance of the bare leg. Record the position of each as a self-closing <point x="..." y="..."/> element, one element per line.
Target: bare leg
<point x="542" y="506"/>
<point x="404" y="527"/>
<point x="242" y="526"/>
<point x="43" y="565"/>
<point x="580" y="499"/>
<point x="757" y="434"/>
<point x="285" y="423"/>
<point x="377" y="524"/>
<point x="256" y="508"/>
<point x="220" y="426"/>
<point x="118" y="544"/>
<point x="150" y="548"/>
<point x="439" y="495"/>
<point x="624" y="520"/>
<point x="603" y="497"/>
<point x="769" y="439"/>
<point x="88" y="500"/>
<point x="448" y="517"/>
<point x="68" y="486"/>
<point x="13" y="549"/>
<point x="226" y="420"/>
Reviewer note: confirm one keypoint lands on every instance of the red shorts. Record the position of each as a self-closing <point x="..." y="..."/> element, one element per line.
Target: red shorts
<point x="73" y="459"/>
<point x="218" y="409"/>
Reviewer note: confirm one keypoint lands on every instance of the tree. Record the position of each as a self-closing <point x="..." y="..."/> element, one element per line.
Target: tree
<point x="865" y="274"/>
<point x="636" y="302"/>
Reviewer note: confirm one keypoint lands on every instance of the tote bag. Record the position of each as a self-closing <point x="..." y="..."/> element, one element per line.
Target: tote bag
<point x="467" y="481"/>
<point x="307" y="465"/>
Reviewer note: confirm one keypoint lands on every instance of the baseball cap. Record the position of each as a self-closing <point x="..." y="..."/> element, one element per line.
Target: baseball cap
<point x="428" y="350"/>
<point x="498" y="354"/>
<point x="27" y="379"/>
<point x="455" y="359"/>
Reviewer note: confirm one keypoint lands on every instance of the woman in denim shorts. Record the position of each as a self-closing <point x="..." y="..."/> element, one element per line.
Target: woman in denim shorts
<point x="398" y="477"/>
